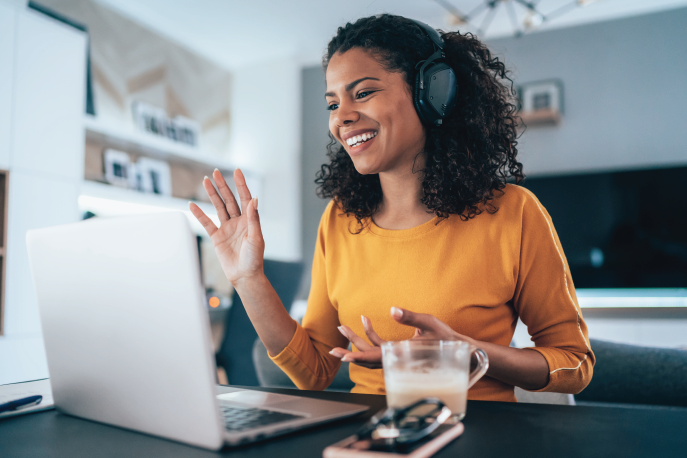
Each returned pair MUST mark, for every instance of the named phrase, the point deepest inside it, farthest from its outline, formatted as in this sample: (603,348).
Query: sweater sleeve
(306,359)
(547,304)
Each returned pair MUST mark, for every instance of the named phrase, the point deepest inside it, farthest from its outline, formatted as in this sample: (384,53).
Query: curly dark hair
(469,157)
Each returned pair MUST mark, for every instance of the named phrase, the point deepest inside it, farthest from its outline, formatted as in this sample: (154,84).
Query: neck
(401,207)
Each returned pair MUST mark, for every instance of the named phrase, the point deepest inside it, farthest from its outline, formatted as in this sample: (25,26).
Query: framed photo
(541,102)
(118,169)
(185,130)
(155,176)
(155,120)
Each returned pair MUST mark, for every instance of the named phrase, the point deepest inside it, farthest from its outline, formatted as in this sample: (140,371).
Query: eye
(362,95)
(333,106)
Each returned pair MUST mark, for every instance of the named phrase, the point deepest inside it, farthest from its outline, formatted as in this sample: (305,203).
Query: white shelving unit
(149,144)
(106,200)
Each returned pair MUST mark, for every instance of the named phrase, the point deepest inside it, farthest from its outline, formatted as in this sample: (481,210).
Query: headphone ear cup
(438,97)
(417,94)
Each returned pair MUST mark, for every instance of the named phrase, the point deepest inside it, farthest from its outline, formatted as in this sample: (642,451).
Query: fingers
(216,200)
(203,219)
(371,334)
(339,352)
(426,326)
(422,321)
(371,359)
(373,356)
(229,200)
(254,229)
(359,342)
(242,188)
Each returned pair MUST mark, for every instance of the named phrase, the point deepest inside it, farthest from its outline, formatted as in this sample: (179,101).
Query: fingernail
(256,202)
(345,359)
(396,312)
(362,318)
(206,177)
(216,169)
(331,352)
(343,331)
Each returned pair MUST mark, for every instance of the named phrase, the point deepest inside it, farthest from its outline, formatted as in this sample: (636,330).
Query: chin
(364,168)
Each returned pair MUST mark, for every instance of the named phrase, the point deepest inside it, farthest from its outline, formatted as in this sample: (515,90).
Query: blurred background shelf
(106,201)
(629,298)
(149,145)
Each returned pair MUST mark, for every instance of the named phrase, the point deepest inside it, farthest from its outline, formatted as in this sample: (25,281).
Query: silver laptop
(127,336)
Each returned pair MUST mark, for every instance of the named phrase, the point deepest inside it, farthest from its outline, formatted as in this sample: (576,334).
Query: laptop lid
(125,327)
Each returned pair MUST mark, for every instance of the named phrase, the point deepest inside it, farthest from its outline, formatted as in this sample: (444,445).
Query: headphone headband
(431,33)
(435,91)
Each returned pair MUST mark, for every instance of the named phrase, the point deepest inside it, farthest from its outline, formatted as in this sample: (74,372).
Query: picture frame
(155,121)
(155,176)
(118,168)
(541,102)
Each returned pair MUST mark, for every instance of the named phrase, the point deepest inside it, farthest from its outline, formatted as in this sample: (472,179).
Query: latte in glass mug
(416,369)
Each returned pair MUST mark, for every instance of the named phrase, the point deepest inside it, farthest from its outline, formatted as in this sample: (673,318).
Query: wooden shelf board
(540,117)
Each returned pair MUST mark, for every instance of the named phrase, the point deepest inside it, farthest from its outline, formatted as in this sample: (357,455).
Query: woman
(423,237)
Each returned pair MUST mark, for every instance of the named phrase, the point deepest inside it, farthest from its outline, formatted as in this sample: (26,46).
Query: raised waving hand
(238,241)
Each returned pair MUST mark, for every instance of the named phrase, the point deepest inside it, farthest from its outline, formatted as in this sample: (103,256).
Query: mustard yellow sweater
(478,276)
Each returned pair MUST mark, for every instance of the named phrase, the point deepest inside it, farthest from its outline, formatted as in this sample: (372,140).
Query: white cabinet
(42,91)
(33,203)
(49,95)
(8,19)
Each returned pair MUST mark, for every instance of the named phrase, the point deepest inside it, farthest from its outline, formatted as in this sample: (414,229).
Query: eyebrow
(350,86)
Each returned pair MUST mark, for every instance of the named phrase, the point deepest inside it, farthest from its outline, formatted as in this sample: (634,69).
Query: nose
(346,114)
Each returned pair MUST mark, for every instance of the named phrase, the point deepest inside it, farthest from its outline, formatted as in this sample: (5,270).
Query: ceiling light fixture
(488,9)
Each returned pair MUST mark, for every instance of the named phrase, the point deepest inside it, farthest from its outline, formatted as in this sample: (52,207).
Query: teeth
(354,141)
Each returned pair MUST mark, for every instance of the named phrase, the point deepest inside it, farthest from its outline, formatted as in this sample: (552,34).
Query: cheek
(332,127)
(408,124)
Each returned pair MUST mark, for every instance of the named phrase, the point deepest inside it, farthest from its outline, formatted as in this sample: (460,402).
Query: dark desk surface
(492,429)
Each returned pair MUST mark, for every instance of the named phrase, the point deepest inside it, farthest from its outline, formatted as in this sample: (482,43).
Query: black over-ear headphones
(435,89)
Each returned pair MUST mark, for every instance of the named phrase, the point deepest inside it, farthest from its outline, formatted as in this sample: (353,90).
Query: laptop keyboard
(243,418)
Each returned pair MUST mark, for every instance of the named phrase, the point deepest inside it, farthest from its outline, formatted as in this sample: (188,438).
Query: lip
(354,151)
(353,133)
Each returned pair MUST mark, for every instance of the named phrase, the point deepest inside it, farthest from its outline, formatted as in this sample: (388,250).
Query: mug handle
(482,365)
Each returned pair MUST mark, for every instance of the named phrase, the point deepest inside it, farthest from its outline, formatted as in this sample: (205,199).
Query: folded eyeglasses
(396,429)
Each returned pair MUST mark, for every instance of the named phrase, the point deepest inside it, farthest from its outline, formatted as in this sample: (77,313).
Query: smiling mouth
(360,139)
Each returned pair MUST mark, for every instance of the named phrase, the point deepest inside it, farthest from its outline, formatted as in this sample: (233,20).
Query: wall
(624,93)
(266,140)
(315,140)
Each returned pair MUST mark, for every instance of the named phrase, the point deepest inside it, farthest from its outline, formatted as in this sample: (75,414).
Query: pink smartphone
(351,447)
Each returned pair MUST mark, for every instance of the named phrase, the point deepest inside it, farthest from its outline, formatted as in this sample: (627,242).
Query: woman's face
(372,113)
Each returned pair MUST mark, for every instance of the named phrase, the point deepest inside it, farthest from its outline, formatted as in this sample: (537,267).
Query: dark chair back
(637,375)
(236,352)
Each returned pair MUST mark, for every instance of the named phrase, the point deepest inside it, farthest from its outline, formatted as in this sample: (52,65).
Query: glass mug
(416,369)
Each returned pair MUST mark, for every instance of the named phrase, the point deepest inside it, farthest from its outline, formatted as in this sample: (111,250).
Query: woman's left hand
(427,327)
